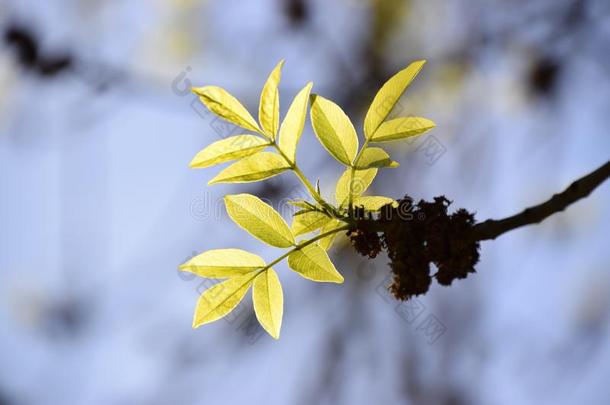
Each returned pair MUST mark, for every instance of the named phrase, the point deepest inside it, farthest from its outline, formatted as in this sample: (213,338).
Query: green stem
(316,196)
(352,170)
(305,243)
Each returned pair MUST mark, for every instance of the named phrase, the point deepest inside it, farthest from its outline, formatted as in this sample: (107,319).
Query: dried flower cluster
(415,236)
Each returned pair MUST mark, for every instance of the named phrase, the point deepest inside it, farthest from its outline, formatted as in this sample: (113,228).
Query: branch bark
(581,188)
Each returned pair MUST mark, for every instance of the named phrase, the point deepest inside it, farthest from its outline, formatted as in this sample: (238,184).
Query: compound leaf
(312,263)
(334,129)
(223,263)
(387,97)
(221,299)
(292,126)
(268,300)
(227,149)
(269,106)
(259,219)
(259,166)
(401,128)
(223,104)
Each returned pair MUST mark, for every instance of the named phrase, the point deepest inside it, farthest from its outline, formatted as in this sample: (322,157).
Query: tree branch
(581,188)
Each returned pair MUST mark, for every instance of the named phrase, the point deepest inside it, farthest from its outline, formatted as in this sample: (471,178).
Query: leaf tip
(196,322)
(193,164)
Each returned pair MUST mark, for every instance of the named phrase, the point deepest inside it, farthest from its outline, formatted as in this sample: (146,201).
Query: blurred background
(98,206)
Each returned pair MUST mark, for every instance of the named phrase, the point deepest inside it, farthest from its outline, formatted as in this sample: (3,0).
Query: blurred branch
(581,188)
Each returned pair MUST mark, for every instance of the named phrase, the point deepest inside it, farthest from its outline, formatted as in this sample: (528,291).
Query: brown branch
(581,188)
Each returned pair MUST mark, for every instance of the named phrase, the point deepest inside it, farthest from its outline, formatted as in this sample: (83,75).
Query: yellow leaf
(269,107)
(223,263)
(227,149)
(268,301)
(223,104)
(221,299)
(373,203)
(360,181)
(327,241)
(334,129)
(259,166)
(308,222)
(375,157)
(292,125)
(401,128)
(259,219)
(388,96)
(312,262)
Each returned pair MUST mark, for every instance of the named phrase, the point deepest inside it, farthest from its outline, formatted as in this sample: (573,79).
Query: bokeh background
(98,206)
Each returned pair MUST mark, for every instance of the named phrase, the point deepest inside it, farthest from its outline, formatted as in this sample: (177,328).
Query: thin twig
(581,188)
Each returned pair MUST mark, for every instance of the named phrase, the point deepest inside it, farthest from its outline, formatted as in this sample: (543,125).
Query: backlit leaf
(312,262)
(375,157)
(269,107)
(221,299)
(259,219)
(308,222)
(401,128)
(293,123)
(334,129)
(227,149)
(222,263)
(360,181)
(388,96)
(327,241)
(268,301)
(223,104)
(372,203)
(259,166)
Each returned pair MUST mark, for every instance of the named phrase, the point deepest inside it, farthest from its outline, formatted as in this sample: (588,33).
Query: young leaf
(259,166)
(292,126)
(375,157)
(268,301)
(312,262)
(308,222)
(372,203)
(388,96)
(401,128)
(327,241)
(303,211)
(223,104)
(259,220)
(302,204)
(221,299)
(223,263)
(269,107)
(334,129)
(227,149)
(360,181)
